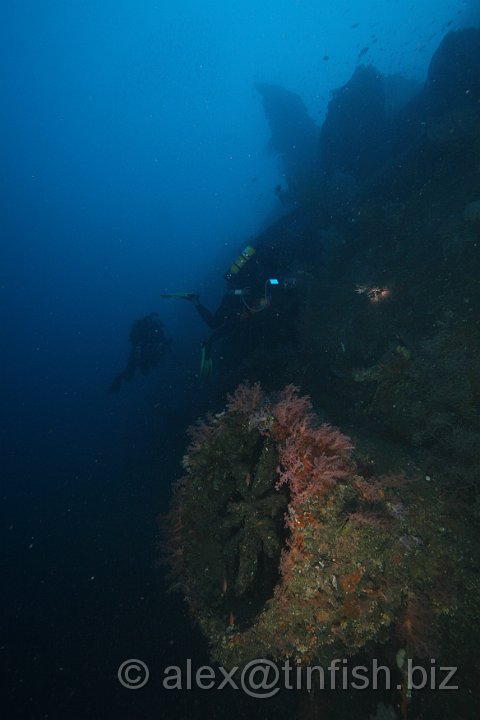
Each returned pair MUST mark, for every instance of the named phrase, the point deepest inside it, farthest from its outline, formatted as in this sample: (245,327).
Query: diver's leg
(206,364)
(117,383)
(129,371)
(204,313)
(127,374)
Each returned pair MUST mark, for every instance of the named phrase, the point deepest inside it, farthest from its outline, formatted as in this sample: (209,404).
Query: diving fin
(206,364)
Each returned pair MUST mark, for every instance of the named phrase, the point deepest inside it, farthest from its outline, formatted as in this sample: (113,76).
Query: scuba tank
(239,262)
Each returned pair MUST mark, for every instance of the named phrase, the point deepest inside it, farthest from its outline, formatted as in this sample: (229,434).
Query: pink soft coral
(246,398)
(310,462)
(312,457)
(291,411)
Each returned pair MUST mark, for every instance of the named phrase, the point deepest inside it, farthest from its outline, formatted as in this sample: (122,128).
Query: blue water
(135,162)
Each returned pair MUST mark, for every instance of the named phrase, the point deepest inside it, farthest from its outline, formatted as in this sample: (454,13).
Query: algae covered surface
(288,545)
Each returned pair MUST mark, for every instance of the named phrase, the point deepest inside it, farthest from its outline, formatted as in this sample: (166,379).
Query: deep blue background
(134,162)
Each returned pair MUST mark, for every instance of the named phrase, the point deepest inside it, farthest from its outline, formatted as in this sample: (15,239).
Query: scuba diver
(251,290)
(148,346)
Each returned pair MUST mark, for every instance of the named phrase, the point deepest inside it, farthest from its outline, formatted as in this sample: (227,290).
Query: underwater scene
(240,428)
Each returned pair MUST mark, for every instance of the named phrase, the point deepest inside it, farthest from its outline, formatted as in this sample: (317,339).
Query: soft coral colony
(285,546)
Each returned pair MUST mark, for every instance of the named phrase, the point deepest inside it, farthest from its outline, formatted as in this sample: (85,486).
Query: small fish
(326,57)
(355,25)
(231,619)
(224,586)
(363,51)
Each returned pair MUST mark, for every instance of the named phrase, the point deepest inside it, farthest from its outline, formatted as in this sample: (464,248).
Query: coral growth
(312,457)
(283,548)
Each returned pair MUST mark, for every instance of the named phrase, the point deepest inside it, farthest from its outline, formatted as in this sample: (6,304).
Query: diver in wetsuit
(148,346)
(251,289)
